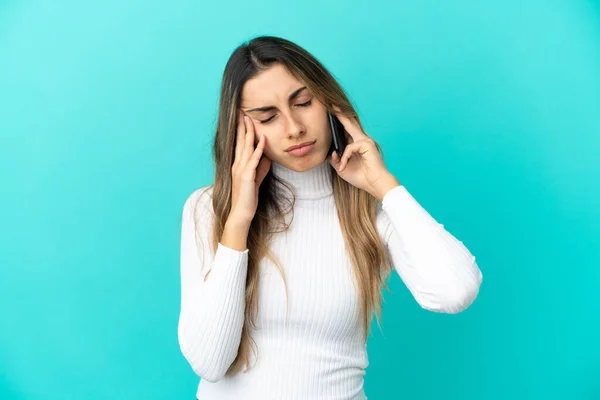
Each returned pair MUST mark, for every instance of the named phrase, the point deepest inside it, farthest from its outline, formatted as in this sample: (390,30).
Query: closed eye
(308,103)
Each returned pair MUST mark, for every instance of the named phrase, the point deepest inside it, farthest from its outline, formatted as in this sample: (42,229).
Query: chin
(306,163)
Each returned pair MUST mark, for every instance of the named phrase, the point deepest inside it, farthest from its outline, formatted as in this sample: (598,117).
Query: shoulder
(198,202)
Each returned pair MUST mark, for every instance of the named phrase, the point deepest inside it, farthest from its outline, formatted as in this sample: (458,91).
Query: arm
(212,307)
(438,269)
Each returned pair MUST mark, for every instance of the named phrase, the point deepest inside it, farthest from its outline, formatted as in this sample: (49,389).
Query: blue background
(488,112)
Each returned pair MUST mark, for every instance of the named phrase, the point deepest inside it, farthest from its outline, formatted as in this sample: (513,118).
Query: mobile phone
(338,135)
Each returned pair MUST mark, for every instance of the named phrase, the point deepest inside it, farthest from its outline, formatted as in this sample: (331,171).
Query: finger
(350,149)
(350,124)
(335,159)
(258,152)
(248,140)
(241,134)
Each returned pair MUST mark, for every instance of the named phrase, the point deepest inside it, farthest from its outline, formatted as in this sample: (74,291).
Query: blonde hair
(357,210)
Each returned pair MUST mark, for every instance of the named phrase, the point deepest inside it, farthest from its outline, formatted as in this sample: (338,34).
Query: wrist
(238,223)
(384,185)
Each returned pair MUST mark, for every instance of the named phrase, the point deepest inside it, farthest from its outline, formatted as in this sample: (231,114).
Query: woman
(285,313)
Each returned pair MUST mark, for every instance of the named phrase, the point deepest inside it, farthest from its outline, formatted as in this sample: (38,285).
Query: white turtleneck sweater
(320,352)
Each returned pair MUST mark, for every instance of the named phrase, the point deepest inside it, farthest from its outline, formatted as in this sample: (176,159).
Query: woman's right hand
(249,169)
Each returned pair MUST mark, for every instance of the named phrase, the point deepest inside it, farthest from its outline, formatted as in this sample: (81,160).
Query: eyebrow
(269,108)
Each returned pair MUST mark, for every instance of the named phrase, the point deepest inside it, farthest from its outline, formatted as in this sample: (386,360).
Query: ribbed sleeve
(212,311)
(437,268)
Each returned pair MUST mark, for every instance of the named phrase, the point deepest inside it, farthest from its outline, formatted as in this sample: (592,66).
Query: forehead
(272,85)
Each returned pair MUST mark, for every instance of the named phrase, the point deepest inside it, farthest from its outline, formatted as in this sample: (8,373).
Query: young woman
(284,313)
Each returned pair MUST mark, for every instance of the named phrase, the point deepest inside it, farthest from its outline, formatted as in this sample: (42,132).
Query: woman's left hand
(361,164)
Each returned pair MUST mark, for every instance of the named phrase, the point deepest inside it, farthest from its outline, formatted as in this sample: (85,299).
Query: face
(286,116)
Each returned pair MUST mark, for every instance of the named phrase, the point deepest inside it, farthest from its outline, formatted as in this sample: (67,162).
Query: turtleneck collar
(312,184)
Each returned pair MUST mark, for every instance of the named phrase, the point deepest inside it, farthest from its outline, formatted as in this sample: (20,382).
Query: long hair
(357,210)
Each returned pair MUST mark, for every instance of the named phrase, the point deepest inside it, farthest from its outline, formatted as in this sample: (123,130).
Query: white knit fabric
(319,351)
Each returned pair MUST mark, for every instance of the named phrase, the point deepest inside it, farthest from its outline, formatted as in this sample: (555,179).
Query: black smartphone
(338,135)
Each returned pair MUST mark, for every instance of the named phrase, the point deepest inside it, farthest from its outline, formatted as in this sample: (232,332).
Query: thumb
(334,160)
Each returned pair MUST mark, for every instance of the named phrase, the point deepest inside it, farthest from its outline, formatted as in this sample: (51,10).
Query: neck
(312,184)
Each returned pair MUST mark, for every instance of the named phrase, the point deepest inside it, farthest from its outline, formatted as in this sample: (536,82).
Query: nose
(294,127)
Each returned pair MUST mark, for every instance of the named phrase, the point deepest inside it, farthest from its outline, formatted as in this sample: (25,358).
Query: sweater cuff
(406,211)
(230,265)
(393,194)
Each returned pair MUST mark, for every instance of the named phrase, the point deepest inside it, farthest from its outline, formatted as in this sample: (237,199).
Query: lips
(300,145)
